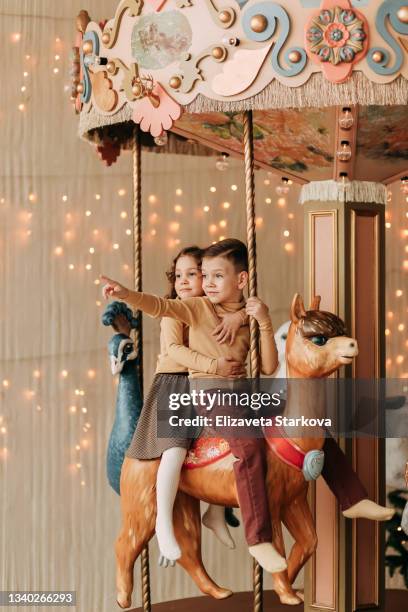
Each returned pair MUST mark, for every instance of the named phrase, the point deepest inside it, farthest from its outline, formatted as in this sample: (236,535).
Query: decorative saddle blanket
(205,451)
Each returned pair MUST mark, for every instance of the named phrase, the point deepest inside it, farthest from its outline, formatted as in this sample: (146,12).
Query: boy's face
(221,282)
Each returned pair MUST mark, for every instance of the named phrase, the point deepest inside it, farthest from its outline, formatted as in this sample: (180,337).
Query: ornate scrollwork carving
(189,72)
(379,58)
(274,15)
(110,34)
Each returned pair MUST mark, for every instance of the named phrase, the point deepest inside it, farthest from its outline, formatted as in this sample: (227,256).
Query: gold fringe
(317,92)
(353,191)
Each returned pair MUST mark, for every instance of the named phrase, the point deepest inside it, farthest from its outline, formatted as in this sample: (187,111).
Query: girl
(171,376)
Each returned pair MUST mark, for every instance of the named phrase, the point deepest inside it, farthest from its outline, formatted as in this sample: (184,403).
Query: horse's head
(121,350)
(317,343)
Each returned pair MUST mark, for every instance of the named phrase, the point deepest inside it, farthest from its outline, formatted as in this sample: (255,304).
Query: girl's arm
(268,350)
(192,360)
(173,336)
(186,310)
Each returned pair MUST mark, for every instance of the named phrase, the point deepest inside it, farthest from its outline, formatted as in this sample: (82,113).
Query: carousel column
(137,268)
(344,263)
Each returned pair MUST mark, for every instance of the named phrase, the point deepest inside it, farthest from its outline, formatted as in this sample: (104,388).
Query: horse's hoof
(301,595)
(123,600)
(221,593)
(290,600)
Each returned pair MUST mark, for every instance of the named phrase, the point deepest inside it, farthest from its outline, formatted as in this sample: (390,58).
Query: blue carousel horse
(124,362)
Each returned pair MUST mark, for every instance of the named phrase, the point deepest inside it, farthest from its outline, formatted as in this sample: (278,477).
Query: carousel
(315,92)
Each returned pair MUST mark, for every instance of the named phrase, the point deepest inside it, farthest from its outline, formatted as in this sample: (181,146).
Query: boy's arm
(187,311)
(173,336)
(267,345)
(268,350)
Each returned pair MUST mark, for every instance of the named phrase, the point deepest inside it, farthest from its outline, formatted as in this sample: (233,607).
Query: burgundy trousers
(250,473)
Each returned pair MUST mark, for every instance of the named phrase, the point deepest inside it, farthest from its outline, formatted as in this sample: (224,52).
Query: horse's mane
(321,323)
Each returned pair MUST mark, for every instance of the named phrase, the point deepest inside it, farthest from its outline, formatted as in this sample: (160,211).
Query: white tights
(168,477)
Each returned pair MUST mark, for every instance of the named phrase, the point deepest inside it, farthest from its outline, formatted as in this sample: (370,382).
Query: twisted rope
(253,325)
(137,271)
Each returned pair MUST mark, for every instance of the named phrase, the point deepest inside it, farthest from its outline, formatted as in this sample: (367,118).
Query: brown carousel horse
(316,347)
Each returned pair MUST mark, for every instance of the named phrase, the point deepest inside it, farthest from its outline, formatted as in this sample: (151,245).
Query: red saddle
(205,451)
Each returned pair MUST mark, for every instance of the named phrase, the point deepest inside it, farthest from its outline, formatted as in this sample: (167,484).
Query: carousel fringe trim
(317,92)
(91,120)
(354,191)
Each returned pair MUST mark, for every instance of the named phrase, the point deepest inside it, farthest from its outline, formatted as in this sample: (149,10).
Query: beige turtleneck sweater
(202,316)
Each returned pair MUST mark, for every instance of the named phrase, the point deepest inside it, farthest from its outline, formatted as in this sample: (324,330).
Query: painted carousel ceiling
(301,143)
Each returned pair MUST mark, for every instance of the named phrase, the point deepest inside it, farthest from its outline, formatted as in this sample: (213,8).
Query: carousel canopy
(327,81)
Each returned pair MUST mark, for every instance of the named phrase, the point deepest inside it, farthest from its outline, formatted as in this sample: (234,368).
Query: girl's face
(188,280)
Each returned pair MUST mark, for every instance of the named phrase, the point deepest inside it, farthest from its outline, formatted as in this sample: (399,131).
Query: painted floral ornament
(336,37)
(156,112)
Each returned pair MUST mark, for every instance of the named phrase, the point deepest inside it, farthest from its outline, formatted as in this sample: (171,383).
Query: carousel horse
(124,362)
(316,346)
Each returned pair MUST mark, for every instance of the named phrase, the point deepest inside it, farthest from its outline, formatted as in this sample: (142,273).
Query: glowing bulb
(56,70)
(71,266)
(88,267)
(405,264)
(259,221)
(152,199)
(291,216)
(268,201)
(72,409)
(64,373)
(97,196)
(399,359)
(153,218)
(267,182)
(92,250)
(32,197)
(153,232)
(98,303)
(64,198)
(281,202)
(123,214)
(174,226)
(77,447)
(387,332)
(37,374)
(179,192)
(84,410)
(58,250)
(38,407)
(213,228)
(286,233)
(398,292)
(82,483)
(23,88)
(213,189)
(388,225)
(3,430)
(91,374)
(234,187)
(78,465)
(97,281)
(122,192)
(128,232)
(57,57)
(95,232)
(289,247)
(206,208)
(178,208)
(401,327)
(226,205)
(16,37)
(223,223)
(25,74)
(88,213)
(6,383)
(115,246)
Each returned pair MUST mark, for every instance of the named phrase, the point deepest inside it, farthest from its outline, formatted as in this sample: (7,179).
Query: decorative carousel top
(158,57)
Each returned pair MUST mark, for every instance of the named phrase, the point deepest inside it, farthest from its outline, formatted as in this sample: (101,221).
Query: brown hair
(231,249)
(192,251)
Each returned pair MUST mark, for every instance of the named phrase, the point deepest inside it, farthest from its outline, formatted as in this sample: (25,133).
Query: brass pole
(253,325)
(137,269)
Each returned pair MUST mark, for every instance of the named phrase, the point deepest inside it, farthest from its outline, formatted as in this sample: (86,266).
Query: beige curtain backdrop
(59,517)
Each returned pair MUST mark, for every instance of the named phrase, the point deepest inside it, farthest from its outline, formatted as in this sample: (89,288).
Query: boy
(225,275)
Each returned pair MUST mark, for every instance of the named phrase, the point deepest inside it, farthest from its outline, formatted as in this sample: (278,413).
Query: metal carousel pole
(137,268)
(253,325)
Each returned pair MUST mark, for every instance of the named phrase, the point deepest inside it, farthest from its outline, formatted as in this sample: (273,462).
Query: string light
(58,251)
(268,201)
(223,223)
(206,209)
(178,208)
(234,187)
(122,192)
(15,37)
(97,196)
(92,250)
(115,246)
(6,383)
(226,205)
(64,373)
(128,232)
(213,189)
(152,199)
(123,214)
(179,191)
(88,213)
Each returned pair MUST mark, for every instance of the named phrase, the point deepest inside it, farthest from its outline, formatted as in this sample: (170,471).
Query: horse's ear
(315,305)
(297,310)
